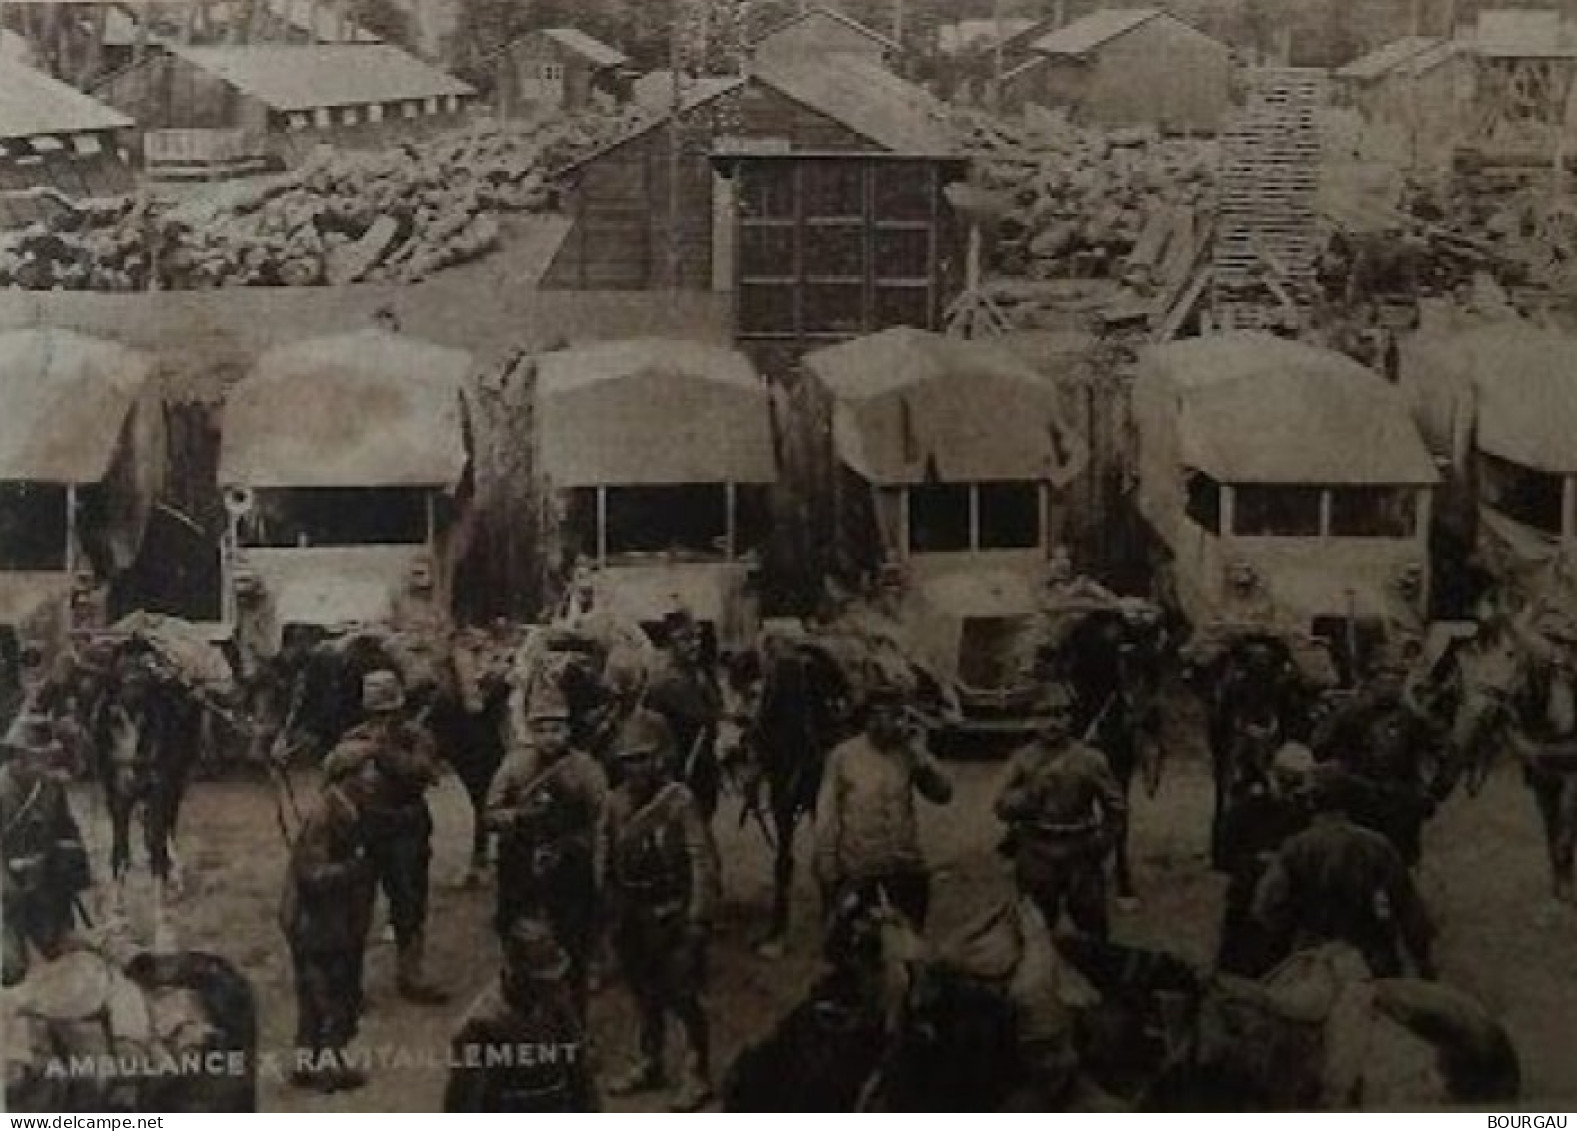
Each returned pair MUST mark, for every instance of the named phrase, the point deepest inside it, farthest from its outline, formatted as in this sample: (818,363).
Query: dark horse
(217,1032)
(1113,661)
(793,705)
(1255,701)
(312,697)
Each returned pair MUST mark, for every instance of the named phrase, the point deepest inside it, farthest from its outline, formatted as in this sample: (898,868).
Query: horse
(791,703)
(1317,1033)
(1112,659)
(171,1031)
(1255,701)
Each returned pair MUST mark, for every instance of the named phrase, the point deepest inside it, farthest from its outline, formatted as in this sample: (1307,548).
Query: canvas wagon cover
(912,406)
(1523,381)
(64,402)
(1255,408)
(370,409)
(653,411)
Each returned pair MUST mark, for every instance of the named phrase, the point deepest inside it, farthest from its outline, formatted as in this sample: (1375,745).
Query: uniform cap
(531,948)
(32,734)
(382,691)
(644,735)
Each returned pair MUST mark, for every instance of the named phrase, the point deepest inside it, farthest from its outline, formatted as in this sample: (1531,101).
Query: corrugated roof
(586,46)
(653,410)
(1524,379)
(32,103)
(306,76)
(967,35)
(1520,33)
(818,10)
(1386,58)
(1085,35)
(364,409)
(861,94)
(1254,408)
(64,399)
(910,404)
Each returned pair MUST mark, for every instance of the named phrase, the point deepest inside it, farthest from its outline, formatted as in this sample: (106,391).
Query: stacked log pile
(1076,202)
(395,215)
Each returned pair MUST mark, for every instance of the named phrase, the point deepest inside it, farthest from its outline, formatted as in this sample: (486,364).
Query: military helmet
(644,735)
(31,734)
(531,948)
(547,703)
(382,691)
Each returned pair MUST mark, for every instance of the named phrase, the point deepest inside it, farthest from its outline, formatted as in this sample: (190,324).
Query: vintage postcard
(876,555)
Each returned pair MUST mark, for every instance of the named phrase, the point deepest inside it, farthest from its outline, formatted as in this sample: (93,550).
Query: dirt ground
(1484,877)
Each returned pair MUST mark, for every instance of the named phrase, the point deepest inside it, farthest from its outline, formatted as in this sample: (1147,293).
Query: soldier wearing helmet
(660,870)
(45,864)
(396,820)
(867,836)
(1258,821)
(522,1047)
(1064,811)
(545,804)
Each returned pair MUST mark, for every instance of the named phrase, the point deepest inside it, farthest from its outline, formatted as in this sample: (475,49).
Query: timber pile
(1079,202)
(396,215)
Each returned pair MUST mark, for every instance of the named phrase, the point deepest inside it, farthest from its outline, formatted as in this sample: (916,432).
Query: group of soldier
(619,853)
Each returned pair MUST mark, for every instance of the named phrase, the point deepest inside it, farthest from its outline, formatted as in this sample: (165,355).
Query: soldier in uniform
(397,822)
(660,869)
(1259,819)
(1064,811)
(685,692)
(867,837)
(1339,882)
(46,865)
(330,884)
(545,804)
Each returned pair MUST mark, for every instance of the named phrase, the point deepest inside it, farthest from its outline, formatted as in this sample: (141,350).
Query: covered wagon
(82,461)
(656,462)
(1288,490)
(950,458)
(346,474)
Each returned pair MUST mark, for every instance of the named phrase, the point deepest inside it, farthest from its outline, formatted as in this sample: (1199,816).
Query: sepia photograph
(772,556)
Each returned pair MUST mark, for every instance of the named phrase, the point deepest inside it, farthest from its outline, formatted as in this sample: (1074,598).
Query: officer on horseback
(685,692)
(867,835)
(1064,811)
(522,1047)
(397,821)
(660,868)
(1337,881)
(545,804)
(46,865)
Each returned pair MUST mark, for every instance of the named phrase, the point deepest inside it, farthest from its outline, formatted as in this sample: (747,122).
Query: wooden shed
(816,160)
(1361,83)
(53,136)
(291,96)
(560,69)
(1129,67)
(819,32)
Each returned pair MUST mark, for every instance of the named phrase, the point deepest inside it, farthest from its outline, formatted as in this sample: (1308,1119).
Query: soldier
(522,1045)
(867,837)
(46,865)
(660,867)
(1064,811)
(1339,882)
(685,692)
(1258,821)
(398,824)
(326,911)
(545,804)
